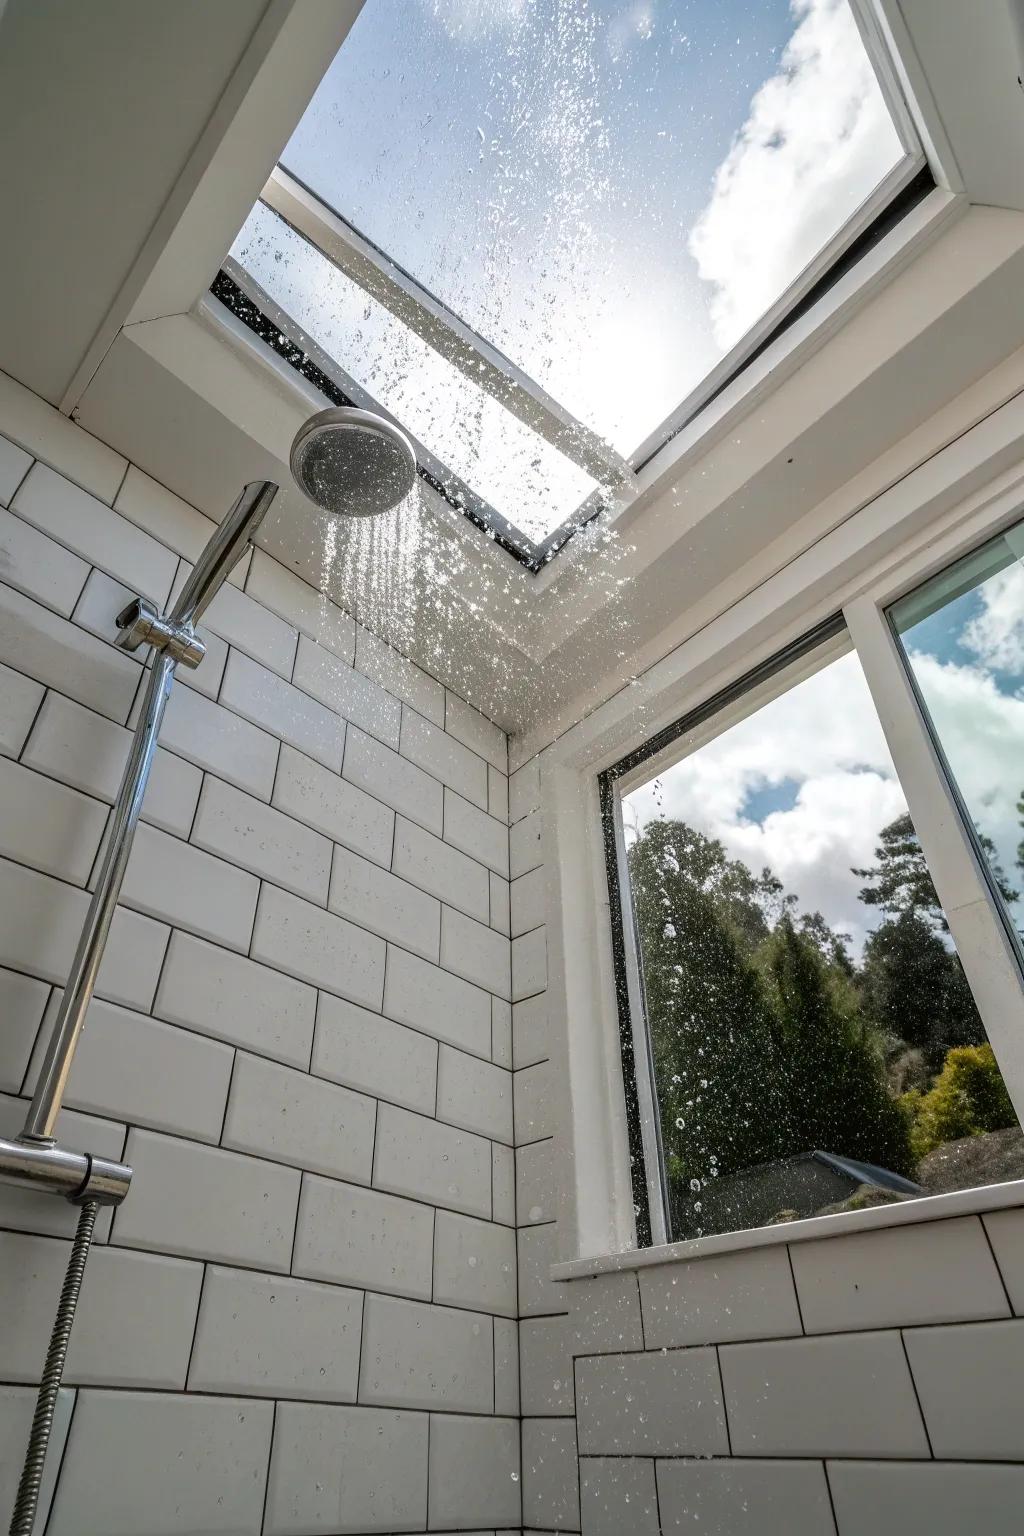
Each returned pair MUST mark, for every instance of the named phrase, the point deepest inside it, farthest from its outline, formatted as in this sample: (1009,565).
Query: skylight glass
(611,193)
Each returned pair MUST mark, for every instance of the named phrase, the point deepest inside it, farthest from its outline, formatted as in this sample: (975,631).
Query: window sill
(965,1202)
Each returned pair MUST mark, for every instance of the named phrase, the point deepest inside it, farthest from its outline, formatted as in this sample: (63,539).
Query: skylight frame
(368,267)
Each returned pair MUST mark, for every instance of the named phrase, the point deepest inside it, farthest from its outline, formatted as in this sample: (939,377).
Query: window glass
(610,193)
(815,1045)
(963,637)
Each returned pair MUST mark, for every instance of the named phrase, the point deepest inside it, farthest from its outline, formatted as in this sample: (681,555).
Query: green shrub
(967,1098)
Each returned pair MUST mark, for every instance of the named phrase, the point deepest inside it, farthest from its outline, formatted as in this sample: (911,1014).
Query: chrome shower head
(352,463)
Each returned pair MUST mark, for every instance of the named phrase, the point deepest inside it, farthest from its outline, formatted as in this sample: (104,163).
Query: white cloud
(996,635)
(823,737)
(817,140)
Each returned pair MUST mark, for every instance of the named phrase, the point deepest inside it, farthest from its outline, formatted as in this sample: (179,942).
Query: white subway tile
(746,1498)
(168,878)
(651,1405)
(497,794)
(437,1002)
(746,1295)
(551,1474)
(475,731)
(153,1464)
(342,688)
(417,1356)
(46,434)
(476,833)
(266,700)
(527,902)
(474,1472)
(323,800)
(133,1067)
(501,1032)
(294,600)
(38,567)
(418,1157)
(15,464)
(474,952)
(317,947)
(270,1336)
(60,655)
(529,964)
(219,740)
(242,622)
(150,506)
(35,1211)
(539,1295)
(1006,1234)
(17,1406)
(474,1094)
(22,1005)
(534,1089)
(617,1494)
(338,1467)
(968,1382)
(276,1112)
(524,790)
(536,1184)
(506,1366)
(503,1184)
(604,1315)
(89,752)
(399,676)
(19,700)
(370,1053)
(380,901)
(133,1324)
(545,1365)
(935,1272)
(391,778)
(474,1264)
(101,536)
(40,923)
(524,845)
(444,871)
(265,841)
(97,609)
(224,995)
(444,758)
(206,1203)
(848,1395)
(48,826)
(361,1237)
(500,915)
(889,1498)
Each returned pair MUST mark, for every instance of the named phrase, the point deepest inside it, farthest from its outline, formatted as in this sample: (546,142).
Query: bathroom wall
(303,1317)
(861,1385)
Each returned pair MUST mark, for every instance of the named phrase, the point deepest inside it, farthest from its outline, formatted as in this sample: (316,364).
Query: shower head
(353,463)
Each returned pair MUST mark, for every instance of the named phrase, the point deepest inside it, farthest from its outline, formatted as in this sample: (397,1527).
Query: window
(542,235)
(787,971)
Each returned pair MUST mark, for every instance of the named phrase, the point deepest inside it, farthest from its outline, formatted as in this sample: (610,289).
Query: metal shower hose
(24,1516)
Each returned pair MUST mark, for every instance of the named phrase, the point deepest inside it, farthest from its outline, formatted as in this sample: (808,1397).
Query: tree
(837,1099)
(967,1098)
(914,988)
(901,883)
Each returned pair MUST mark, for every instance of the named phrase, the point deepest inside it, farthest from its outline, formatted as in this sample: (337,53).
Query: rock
(994,1157)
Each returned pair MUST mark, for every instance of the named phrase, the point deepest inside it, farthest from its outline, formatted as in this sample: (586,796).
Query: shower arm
(34,1159)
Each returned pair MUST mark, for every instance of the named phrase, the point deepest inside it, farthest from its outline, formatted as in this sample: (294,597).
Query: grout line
(295,1221)
(917,1395)
(995,1260)
(227,1097)
(725,1403)
(270,1458)
(63,1456)
(831,1496)
(195,1325)
(796,1289)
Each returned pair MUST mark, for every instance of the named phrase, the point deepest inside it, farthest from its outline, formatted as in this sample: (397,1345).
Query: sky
(610,192)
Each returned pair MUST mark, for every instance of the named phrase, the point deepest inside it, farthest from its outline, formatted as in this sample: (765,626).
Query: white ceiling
(175,128)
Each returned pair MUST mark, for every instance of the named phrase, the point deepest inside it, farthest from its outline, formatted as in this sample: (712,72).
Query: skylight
(613,202)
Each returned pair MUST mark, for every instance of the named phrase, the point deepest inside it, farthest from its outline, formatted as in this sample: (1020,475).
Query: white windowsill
(993,1197)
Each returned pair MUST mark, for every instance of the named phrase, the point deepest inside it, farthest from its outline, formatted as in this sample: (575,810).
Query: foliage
(900,883)
(914,988)
(968,1098)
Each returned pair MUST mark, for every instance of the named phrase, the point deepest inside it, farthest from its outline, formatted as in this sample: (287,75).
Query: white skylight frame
(621,480)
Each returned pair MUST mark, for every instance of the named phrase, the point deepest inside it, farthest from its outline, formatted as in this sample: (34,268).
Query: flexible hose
(24,1516)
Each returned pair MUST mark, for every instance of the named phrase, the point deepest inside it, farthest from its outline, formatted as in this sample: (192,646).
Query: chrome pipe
(78,1176)
(170,637)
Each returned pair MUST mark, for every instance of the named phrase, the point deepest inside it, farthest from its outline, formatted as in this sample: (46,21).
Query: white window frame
(942,510)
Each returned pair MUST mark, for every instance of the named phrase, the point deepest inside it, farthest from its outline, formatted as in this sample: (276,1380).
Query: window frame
(952,502)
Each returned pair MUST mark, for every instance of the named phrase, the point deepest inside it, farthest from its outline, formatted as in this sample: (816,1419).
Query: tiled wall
(862,1385)
(304,1316)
